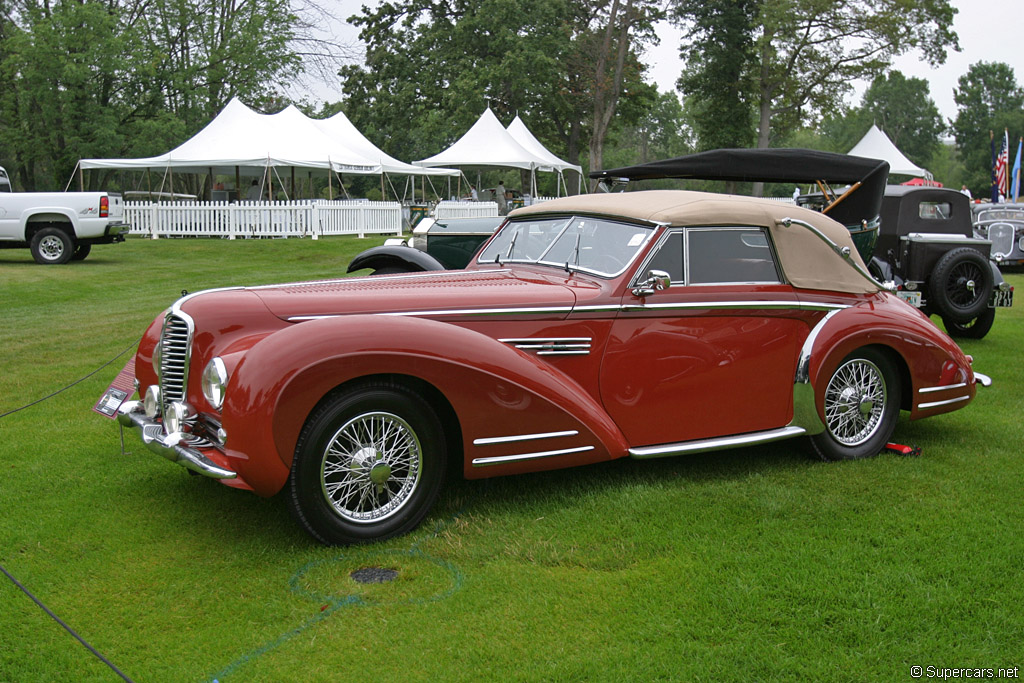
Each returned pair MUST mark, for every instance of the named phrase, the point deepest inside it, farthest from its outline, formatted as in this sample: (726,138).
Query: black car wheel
(960,285)
(368,465)
(972,329)
(52,246)
(862,405)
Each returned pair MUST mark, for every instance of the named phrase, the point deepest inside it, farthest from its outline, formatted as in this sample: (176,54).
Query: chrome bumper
(983,380)
(171,446)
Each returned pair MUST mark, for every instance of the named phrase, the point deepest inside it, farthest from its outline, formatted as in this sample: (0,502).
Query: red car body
(529,366)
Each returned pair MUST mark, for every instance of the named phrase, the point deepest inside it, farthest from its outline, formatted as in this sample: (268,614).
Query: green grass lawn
(752,564)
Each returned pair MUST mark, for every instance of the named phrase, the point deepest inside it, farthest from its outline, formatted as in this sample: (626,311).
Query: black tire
(972,329)
(81,252)
(52,247)
(862,405)
(368,465)
(960,285)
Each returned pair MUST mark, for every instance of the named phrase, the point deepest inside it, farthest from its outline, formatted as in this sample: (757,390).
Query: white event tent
(521,134)
(488,144)
(244,142)
(876,145)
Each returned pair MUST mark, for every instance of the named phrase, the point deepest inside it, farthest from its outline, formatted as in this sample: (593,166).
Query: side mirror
(656,281)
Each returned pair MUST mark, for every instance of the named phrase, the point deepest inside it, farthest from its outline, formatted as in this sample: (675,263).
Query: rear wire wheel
(368,465)
(861,405)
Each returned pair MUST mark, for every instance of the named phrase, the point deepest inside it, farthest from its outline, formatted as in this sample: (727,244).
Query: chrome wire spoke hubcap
(855,401)
(371,467)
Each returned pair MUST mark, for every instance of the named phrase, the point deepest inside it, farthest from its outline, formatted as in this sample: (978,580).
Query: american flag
(1003,165)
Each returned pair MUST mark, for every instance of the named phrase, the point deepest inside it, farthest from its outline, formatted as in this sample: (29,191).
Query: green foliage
(903,109)
(717,80)
(129,78)
(750,564)
(988,99)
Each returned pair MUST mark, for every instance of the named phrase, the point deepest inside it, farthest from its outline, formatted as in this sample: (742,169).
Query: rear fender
(508,404)
(928,356)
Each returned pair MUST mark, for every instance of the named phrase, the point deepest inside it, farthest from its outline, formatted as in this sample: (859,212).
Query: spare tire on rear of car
(960,285)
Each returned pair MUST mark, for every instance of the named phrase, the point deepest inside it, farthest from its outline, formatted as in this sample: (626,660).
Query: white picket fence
(263,219)
(468,209)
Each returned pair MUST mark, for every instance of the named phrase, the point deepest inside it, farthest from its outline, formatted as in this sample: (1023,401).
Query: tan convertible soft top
(807,261)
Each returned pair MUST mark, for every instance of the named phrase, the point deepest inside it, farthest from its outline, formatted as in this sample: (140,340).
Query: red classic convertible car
(588,328)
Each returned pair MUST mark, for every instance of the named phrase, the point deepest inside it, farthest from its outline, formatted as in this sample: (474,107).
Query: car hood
(447,292)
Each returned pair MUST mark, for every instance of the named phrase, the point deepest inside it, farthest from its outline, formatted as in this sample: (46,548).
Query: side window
(730,255)
(934,211)
(669,257)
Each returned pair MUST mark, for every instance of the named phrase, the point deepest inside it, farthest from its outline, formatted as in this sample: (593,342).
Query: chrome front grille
(1001,235)
(175,351)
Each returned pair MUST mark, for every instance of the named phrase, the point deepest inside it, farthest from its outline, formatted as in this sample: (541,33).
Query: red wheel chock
(899,449)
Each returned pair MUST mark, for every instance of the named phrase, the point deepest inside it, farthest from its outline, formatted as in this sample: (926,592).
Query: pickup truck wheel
(52,246)
(368,465)
(960,285)
(862,405)
(81,251)
(973,329)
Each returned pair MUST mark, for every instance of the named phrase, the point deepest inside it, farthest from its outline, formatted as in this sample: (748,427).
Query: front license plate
(119,390)
(912,298)
(1003,299)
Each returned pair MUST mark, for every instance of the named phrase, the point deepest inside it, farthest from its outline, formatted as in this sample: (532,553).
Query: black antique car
(919,239)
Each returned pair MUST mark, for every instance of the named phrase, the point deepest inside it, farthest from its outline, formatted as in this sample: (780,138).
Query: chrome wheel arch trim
(805,412)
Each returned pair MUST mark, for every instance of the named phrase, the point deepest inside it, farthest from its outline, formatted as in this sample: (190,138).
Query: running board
(716,444)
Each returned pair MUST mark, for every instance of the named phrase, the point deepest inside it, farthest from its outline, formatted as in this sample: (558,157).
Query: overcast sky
(987,30)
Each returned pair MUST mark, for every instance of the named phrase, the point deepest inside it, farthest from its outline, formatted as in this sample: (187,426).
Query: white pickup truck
(59,226)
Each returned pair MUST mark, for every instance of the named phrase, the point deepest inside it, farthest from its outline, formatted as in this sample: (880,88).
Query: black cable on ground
(17,583)
(67,628)
(77,381)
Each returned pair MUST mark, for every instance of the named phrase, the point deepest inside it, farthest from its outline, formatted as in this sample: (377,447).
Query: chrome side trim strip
(717,443)
(757,305)
(928,390)
(503,459)
(629,308)
(522,437)
(936,404)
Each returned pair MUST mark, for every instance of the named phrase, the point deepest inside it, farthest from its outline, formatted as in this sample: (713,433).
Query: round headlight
(174,418)
(151,402)
(156,357)
(215,381)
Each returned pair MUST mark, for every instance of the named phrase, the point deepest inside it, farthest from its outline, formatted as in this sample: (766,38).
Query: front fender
(395,258)
(497,392)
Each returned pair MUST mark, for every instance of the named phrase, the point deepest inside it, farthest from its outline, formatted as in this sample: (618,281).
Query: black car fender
(394,259)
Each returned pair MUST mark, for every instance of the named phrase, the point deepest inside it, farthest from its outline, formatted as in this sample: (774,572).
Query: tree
(903,108)
(717,78)
(95,78)
(432,66)
(805,53)
(988,98)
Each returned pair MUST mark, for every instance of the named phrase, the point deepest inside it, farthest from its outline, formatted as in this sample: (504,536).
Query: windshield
(595,245)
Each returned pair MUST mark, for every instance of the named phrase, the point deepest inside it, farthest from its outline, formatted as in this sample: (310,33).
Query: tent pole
(238,184)
(210,196)
(293,182)
(383,197)
(170,170)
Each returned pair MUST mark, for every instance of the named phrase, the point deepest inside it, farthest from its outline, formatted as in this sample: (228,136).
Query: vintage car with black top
(918,238)
(1003,225)
(589,328)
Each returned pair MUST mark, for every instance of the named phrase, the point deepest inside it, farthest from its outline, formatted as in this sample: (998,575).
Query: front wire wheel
(368,465)
(861,405)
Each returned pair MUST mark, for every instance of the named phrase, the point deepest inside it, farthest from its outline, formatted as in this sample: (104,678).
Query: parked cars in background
(928,247)
(59,226)
(588,328)
(1003,225)
(918,238)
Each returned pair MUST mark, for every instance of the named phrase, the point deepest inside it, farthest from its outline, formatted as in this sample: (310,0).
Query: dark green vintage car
(436,244)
